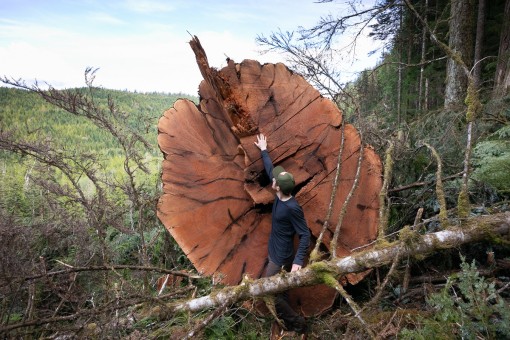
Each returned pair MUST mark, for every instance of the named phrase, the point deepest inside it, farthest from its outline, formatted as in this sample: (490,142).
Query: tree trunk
(472,98)
(480,25)
(502,76)
(473,229)
(461,42)
(422,60)
(426,96)
(399,80)
(216,198)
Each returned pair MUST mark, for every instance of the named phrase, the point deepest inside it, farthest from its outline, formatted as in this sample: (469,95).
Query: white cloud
(163,64)
(161,61)
(28,61)
(166,62)
(105,18)
(151,56)
(148,6)
(14,30)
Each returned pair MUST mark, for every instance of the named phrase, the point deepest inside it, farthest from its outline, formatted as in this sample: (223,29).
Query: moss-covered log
(470,230)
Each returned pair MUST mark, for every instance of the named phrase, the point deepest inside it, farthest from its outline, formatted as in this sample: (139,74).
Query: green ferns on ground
(492,160)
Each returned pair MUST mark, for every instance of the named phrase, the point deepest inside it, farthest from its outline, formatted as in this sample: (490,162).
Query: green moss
(463,207)
(412,239)
(409,237)
(443,217)
(325,273)
(360,261)
(420,257)
(473,103)
(382,243)
(320,267)
(90,331)
(328,279)
(315,255)
(243,286)
(491,236)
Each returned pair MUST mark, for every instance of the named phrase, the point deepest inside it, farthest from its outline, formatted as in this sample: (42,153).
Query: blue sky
(142,45)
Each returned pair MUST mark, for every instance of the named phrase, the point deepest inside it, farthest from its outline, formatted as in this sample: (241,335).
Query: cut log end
(217,199)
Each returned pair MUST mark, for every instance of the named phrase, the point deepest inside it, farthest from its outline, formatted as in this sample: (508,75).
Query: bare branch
(422,183)
(108,268)
(314,256)
(329,27)
(202,324)
(443,217)
(334,240)
(381,287)
(384,206)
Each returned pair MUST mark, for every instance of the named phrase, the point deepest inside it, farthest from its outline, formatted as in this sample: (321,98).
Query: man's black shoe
(299,325)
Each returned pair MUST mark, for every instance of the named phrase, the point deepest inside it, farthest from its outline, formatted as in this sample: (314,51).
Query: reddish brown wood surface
(217,200)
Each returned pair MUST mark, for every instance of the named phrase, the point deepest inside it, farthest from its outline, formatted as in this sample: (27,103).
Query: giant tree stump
(217,199)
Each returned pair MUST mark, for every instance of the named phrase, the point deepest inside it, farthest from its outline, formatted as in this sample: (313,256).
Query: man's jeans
(292,320)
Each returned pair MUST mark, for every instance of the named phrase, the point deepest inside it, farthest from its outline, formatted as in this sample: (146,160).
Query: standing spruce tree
(461,42)
(502,74)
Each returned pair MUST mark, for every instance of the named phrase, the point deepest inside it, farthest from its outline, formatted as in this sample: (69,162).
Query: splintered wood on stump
(217,199)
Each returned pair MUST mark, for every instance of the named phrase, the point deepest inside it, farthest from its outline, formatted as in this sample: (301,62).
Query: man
(287,220)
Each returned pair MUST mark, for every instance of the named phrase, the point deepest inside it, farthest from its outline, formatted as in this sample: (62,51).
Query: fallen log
(216,198)
(470,230)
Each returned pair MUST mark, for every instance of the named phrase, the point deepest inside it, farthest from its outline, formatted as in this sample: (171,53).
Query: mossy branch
(381,287)
(384,206)
(334,240)
(315,255)
(113,267)
(330,280)
(422,183)
(443,215)
(463,199)
(472,229)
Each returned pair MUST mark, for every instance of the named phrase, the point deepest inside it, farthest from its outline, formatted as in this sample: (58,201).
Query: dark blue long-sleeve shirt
(288,219)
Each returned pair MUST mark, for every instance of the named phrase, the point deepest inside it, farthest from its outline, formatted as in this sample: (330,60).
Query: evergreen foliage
(401,102)
(417,113)
(79,188)
(27,115)
(491,158)
(468,307)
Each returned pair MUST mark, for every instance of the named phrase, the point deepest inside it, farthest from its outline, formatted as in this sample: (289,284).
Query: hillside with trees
(84,254)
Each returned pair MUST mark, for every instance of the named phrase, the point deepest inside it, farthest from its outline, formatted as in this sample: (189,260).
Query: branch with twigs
(72,269)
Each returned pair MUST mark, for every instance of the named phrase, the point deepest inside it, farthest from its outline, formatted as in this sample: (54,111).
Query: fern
(491,160)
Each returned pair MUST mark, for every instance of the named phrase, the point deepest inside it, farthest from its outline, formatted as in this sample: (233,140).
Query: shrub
(468,307)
